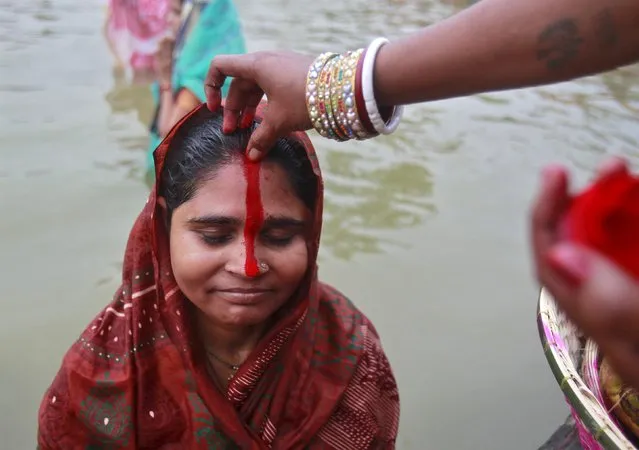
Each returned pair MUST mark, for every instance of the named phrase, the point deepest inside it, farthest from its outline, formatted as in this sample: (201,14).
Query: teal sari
(209,28)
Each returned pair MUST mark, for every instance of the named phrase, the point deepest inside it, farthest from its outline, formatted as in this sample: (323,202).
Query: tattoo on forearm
(559,44)
(605,29)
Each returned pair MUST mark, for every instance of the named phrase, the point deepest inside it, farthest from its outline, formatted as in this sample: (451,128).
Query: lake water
(425,230)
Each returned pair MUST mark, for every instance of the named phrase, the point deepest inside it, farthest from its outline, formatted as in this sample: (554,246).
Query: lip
(245,291)
(244,296)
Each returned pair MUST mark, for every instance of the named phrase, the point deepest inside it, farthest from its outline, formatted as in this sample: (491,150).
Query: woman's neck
(231,344)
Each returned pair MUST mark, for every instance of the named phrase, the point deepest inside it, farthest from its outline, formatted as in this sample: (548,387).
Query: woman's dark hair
(199,149)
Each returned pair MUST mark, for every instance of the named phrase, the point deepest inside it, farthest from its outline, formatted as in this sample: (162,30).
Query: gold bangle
(336,97)
(331,97)
(314,101)
(349,117)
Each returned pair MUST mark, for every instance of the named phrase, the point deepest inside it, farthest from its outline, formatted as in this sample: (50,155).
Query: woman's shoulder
(336,304)
(369,406)
(100,352)
(342,314)
(128,324)
(125,342)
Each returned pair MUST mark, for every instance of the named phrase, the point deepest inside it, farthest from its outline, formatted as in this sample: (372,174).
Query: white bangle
(368,92)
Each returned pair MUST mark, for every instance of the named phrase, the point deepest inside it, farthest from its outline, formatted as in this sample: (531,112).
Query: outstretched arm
(493,45)
(502,44)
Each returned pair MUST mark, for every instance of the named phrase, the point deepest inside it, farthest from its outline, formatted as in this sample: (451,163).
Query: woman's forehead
(224,194)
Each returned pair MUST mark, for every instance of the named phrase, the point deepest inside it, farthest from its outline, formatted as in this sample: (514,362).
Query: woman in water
(201,29)
(133,29)
(221,335)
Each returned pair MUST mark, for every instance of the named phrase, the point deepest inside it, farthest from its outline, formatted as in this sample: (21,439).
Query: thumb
(610,298)
(610,295)
(263,139)
(606,303)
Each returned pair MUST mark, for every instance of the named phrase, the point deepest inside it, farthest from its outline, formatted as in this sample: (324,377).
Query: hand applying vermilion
(281,77)
(585,252)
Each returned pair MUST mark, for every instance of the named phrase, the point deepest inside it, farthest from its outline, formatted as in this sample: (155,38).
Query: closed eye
(278,240)
(281,231)
(216,239)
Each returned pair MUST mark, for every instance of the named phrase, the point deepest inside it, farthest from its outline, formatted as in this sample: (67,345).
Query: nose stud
(263,267)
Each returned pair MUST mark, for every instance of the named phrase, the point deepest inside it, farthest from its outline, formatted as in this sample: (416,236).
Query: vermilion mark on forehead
(254,215)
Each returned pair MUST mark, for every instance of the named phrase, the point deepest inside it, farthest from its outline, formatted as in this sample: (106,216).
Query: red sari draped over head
(319,378)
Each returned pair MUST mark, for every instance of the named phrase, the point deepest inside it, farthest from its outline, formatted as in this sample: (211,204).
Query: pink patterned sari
(133,30)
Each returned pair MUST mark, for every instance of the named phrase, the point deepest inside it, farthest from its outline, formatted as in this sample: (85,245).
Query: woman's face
(208,251)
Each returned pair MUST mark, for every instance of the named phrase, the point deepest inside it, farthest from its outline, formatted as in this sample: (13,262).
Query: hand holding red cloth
(586,255)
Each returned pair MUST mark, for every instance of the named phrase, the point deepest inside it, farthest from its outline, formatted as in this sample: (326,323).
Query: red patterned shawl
(134,380)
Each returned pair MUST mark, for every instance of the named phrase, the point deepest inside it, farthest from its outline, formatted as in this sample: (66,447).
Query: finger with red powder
(221,67)
(547,211)
(611,166)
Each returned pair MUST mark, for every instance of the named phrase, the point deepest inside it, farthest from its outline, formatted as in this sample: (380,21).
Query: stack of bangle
(340,97)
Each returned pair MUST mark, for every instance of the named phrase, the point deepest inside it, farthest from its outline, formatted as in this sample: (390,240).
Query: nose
(236,260)
(242,264)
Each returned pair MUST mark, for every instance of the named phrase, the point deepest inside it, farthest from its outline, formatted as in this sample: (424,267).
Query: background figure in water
(133,30)
(200,30)
(169,44)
